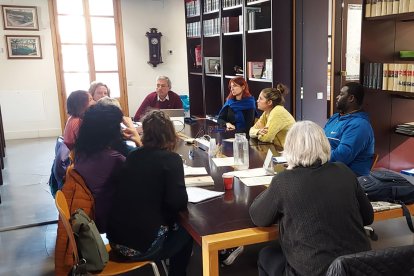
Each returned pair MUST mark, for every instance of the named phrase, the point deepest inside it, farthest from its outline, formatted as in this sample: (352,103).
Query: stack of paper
(196,195)
(258,180)
(406,128)
(188,170)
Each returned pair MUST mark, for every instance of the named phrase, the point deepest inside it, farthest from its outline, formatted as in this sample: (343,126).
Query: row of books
(193,29)
(257,18)
(211,5)
(212,26)
(192,7)
(406,128)
(389,76)
(386,7)
(260,69)
(232,3)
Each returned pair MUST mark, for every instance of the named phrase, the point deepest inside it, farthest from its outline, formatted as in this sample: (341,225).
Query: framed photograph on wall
(20,18)
(23,46)
(212,65)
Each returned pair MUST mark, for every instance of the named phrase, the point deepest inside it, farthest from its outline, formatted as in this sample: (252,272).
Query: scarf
(238,107)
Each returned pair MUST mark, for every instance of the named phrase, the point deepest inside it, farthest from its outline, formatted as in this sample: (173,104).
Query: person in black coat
(319,207)
(151,193)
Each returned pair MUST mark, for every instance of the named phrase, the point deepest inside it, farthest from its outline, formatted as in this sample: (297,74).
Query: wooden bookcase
(270,38)
(383,37)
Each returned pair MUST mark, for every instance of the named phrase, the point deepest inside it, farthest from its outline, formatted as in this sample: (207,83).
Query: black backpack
(385,185)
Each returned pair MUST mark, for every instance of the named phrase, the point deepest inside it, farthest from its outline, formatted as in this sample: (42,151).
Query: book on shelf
(374,4)
(411,6)
(251,17)
(268,70)
(389,6)
(368,8)
(384,7)
(395,6)
(255,69)
(404,5)
(405,128)
(197,54)
(389,76)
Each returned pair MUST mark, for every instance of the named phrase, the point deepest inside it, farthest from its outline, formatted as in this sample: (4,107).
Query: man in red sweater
(161,98)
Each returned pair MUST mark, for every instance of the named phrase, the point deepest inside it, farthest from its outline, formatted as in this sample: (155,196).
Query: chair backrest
(388,261)
(63,209)
(374,160)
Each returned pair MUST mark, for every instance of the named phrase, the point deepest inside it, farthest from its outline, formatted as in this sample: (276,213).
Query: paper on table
(192,181)
(223,162)
(249,173)
(230,140)
(194,170)
(196,195)
(256,181)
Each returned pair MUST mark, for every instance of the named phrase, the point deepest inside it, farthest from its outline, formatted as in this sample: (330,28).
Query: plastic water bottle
(241,152)
(212,150)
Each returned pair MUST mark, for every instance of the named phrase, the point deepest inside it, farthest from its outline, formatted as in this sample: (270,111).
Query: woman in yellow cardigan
(275,121)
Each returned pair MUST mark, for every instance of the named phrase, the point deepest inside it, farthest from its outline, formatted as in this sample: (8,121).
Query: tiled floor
(26,200)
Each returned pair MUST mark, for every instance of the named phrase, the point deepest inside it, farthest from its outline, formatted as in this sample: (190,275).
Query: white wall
(28,94)
(28,91)
(168,17)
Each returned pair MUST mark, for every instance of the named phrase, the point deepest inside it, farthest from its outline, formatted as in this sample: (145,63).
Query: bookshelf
(383,37)
(237,33)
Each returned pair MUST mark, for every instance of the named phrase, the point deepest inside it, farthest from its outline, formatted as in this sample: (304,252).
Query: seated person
(162,98)
(275,121)
(319,207)
(98,158)
(150,194)
(239,110)
(99,90)
(76,105)
(349,131)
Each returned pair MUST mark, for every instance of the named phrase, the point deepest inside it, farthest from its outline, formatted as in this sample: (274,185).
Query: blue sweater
(352,141)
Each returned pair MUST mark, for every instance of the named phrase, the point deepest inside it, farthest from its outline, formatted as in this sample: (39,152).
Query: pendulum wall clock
(154,43)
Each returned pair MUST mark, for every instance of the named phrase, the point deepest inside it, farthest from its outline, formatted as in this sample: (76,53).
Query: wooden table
(224,222)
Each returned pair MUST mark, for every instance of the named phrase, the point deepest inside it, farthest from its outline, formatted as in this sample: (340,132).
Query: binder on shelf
(368,8)
(384,7)
(389,6)
(395,6)
(411,6)
(378,8)
(391,76)
(374,4)
(385,76)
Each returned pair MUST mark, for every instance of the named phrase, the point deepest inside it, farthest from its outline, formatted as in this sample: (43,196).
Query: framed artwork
(23,46)
(212,65)
(20,18)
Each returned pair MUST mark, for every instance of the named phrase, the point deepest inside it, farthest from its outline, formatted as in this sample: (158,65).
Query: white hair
(305,145)
(166,79)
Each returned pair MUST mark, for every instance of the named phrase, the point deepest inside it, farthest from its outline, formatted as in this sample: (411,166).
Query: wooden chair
(112,267)
(374,160)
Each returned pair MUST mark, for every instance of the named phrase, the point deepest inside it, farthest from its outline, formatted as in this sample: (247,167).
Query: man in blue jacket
(349,132)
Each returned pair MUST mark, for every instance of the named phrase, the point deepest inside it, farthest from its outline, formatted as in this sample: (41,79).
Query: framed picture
(212,65)
(23,46)
(20,18)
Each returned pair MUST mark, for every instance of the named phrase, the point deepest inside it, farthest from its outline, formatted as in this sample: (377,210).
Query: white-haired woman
(319,207)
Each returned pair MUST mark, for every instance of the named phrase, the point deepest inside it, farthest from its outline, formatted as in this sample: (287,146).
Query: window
(88,46)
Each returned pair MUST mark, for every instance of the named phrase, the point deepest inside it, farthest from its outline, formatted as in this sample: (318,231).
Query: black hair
(100,129)
(356,89)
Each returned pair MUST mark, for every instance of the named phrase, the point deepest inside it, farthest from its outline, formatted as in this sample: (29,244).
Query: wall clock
(154,44)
